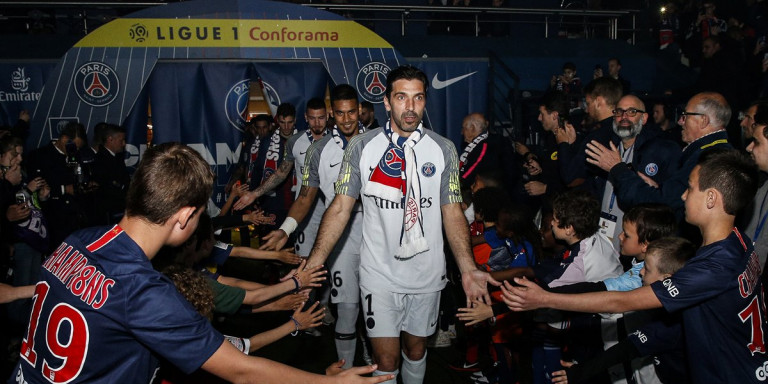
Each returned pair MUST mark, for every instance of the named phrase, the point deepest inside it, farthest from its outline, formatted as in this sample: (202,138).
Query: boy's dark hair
(569,65)
(343,92)
(315,103)
(607,87)
(7,144)
(731,173)
(518,221)
(672,253)
(556,101)
(488,202)
(169,177)
(262,117)
(578,209)
(286,109)
(652,220)
(194,287)
(616,59)
(406,72)
(491,177)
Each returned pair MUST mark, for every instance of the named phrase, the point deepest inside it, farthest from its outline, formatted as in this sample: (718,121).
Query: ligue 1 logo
(138,33)
(371,81)
(236,103)
(96,84)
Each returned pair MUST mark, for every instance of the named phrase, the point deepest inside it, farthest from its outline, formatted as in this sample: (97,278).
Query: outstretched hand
(475,314)
(475,284)
(524,298)
(311,276)
(353,375)
(245,201)
(311,317)
(274,240)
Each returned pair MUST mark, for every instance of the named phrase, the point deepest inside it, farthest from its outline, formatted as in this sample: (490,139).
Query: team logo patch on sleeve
(96,84)
(428,169)
(371,81)
(651,169)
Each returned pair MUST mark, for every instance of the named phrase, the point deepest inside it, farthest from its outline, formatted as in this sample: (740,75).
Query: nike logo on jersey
(333,165)
(433,323)
(438,84)
(302,153)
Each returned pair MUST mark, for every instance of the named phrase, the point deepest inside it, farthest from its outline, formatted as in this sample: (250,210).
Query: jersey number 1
(72,351)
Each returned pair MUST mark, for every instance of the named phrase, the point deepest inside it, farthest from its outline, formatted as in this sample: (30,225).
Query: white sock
(413,371)
(346,337)
(382,373)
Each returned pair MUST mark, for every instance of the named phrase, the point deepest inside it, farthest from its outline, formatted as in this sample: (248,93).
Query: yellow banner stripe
(227,33)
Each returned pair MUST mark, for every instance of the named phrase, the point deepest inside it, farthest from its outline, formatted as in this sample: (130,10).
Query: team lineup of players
(391,197)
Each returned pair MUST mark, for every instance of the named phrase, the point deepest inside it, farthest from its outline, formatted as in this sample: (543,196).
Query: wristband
(297,324)
(289,225)
(296,282)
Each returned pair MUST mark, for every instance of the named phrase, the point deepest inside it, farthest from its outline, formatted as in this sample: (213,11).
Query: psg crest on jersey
(428,169)
(372,81)
(96,84)
(236,103)
(651,169)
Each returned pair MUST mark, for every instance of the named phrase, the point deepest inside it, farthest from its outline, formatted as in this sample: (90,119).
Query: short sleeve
(166,323)
(310,176)
(696,282)
(349,182)
(450,186)
(288,155)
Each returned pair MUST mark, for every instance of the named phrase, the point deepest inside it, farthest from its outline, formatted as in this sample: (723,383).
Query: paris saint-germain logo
(651,169)
(372,81)
(428,169)
(96,84)
(392,162)
(236,103)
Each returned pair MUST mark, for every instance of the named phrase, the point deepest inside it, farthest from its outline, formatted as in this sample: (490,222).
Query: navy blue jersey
(102,314)
(720,295)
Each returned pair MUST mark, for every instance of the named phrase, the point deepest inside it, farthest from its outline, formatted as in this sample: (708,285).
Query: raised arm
(530,296)
(269,184)
(334,221)
(234,366)
(276,239)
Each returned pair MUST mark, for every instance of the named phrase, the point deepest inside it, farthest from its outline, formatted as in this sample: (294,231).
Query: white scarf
(393,182)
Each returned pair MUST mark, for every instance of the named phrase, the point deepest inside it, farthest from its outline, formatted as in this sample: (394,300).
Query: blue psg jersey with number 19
(720,295)
(101,314)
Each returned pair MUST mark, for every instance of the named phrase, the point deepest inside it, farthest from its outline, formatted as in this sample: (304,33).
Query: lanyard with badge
(608,220)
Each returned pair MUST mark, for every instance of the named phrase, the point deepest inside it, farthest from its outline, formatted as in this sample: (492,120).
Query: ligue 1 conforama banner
(104,76)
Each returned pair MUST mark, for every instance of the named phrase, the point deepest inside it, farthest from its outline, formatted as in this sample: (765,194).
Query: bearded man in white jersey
(407,179)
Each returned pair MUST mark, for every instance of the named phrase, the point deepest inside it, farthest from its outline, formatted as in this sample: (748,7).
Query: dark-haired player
(407,178)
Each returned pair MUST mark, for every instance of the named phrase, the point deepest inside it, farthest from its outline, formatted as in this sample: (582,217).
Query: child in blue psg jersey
(663,258)
(102,314)
(718,293)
